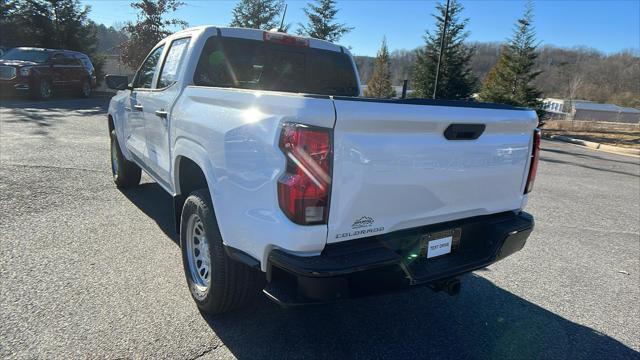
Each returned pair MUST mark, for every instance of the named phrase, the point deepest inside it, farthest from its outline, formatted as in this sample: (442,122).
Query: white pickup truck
(285,179)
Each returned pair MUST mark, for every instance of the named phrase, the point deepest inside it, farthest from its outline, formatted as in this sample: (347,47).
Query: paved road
(87,270)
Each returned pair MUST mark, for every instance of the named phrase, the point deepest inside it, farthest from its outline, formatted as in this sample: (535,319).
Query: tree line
(569,73)
(506,73)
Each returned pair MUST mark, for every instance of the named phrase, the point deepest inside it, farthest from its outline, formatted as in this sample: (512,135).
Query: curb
(594,145)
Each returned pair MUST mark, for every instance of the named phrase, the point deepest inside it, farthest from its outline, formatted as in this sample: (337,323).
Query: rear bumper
(389,262)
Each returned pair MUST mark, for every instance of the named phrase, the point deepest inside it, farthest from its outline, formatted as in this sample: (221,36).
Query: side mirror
(117,82)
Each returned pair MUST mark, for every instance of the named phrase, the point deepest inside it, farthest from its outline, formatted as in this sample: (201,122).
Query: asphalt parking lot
(89,271)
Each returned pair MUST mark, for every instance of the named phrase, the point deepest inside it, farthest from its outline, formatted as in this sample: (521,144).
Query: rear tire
(125,173)
(217,283)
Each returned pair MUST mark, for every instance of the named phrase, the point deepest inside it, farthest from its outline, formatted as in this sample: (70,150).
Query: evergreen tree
(149,29)
(511,79)
(322,23)
(47,23)
(379,85)
(57,24)
(8,24)
(110,38)
(257,14)
(455,80)
(71,28)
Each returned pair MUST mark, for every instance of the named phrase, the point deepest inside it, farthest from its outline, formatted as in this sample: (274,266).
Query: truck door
(134,127)
(157,108)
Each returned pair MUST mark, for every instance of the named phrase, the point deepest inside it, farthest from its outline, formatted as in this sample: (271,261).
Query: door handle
(161,114)
(137,107)
(464,131)
(126,108)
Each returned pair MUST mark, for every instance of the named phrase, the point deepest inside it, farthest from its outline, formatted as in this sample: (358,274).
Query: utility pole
(444,33)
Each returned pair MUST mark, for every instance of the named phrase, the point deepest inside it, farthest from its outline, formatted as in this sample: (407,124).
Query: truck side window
(169,72)
(148,68)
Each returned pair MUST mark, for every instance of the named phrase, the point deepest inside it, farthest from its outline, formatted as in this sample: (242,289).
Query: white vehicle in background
(285,180)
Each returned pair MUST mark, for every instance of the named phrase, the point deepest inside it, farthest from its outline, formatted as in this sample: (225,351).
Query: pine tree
(71,27)
(48,23)
(27,23)
(379,85)
(322,23)
(149,29)
(455,80)
(511,79)
(257,14)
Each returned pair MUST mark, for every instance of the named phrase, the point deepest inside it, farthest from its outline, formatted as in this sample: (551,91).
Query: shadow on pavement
(484,321)
(562,162)
(581,155)
(45,114)
(156,204)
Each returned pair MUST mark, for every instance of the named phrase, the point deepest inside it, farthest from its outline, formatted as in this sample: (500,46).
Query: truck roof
(257,34)
(51,50)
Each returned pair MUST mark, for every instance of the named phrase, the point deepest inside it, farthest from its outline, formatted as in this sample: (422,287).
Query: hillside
(581,73)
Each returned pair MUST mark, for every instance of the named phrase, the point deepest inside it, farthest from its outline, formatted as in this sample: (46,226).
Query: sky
(608,26)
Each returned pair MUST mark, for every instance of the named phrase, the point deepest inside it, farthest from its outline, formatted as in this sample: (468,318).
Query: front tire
(125,173)
(85,88)
(216,282)
(42,89)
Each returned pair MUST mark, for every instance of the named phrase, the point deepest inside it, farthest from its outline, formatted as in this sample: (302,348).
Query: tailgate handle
(464,131)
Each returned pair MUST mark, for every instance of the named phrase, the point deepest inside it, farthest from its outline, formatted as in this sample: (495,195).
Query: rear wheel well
(190,178)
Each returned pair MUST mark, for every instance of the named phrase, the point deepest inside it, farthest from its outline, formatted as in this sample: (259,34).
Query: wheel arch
(192,170)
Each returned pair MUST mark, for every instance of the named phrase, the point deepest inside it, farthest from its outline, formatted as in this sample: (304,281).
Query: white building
(590,111)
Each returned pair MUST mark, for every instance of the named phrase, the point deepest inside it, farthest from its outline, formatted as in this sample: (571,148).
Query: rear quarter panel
(238,133)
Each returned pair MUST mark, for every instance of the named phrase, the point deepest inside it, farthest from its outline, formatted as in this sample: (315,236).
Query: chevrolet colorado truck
(285,179)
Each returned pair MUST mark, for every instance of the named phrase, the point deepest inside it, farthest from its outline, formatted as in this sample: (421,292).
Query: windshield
(38,56)
(258,65)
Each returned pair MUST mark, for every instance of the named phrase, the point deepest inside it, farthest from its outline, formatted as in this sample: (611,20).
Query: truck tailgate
(395,169)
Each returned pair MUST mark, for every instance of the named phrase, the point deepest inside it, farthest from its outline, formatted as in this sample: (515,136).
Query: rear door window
(58,59)
(169,73)
(259,65)
(71,60)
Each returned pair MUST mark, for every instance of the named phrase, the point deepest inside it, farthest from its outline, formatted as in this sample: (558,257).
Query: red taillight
(303,190)
(535,155)
(285,39)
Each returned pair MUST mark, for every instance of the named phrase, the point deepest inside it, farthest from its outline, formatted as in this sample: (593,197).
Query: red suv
(41,72)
